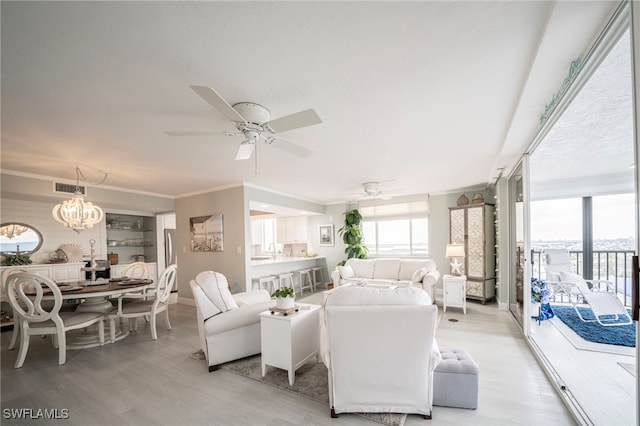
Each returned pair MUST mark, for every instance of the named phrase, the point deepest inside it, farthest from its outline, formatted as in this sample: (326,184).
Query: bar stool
(304,275)
(269,283)
(286,280)
(314,271)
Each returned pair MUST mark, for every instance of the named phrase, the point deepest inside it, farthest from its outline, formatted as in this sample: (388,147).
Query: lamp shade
(455,250)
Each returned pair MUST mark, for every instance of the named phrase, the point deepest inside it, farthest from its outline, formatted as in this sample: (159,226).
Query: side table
(289,341)
(454,291)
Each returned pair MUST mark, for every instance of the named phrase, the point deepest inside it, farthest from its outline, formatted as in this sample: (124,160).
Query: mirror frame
(38,233)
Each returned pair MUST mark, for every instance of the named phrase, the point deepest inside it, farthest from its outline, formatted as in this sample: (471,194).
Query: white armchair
(380,350)
(228,324)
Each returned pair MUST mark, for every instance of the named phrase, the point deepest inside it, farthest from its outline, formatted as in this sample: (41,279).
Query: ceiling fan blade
(289,147)
(245,150)
(294,121)
(218,102)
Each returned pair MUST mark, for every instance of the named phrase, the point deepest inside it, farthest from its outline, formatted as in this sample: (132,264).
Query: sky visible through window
(560,221)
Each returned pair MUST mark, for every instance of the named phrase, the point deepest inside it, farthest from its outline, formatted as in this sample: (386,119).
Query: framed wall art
(207,233)
(326,235)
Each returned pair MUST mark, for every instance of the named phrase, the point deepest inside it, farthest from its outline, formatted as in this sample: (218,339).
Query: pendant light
(76,213)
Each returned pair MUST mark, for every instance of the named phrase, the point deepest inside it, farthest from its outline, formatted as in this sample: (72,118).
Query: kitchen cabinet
(58,272)
(473,227)
(292,229)
(256,231)
(131,237)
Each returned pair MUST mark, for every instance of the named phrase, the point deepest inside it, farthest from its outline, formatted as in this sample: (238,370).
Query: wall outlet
(239,249)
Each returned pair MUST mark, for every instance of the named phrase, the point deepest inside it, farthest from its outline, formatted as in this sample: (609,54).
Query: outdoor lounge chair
(598,294)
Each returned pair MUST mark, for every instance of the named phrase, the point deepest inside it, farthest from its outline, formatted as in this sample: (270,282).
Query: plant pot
(285,302)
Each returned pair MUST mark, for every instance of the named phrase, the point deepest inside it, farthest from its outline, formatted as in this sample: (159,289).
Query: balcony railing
(608,265)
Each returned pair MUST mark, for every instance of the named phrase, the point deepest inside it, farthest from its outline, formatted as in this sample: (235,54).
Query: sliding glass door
(583,199)
(516,246)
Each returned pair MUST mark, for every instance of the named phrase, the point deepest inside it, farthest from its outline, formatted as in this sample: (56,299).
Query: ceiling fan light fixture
(372,188)
(245,150)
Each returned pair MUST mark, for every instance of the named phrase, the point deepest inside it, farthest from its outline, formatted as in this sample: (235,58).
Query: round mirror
(19,238)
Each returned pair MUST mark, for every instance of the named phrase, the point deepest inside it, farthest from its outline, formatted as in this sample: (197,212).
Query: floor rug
(585,345)
(621,335)
(311,382)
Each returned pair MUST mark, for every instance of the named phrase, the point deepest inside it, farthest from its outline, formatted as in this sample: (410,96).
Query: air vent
(65,188)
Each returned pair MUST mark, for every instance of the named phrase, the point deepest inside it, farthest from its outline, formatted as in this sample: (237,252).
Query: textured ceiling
(425,96)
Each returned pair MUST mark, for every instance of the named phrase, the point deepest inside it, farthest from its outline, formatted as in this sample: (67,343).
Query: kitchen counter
(282,259)
(282,264)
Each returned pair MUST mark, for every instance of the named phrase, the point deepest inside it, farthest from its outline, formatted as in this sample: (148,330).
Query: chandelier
(76,213)
(13,230)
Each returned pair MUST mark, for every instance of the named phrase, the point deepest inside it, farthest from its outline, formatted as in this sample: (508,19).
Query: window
(399,229)
(556,224)
(269,235)
(613,222)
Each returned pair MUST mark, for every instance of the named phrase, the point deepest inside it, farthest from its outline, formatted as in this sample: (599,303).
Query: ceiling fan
(372,191)
(254,122)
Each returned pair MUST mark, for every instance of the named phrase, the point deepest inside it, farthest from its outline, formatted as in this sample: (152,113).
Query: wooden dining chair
(26,292)
(148,307)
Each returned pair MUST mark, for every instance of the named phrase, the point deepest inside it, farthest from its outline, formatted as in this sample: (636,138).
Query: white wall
(230,203)
(439,227)
(38,215)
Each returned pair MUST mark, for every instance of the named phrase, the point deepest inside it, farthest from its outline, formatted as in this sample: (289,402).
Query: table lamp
(455,251)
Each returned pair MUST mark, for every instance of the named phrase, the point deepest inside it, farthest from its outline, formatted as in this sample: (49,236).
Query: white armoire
(473,226)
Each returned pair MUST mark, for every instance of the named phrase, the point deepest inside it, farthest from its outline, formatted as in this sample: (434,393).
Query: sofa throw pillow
(346,272)
(216,287)
(206,306)
(409,266)
(418,275)
(362,268)
(386,269)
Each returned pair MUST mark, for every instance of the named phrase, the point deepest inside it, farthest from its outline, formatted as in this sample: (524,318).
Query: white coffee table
(290,341)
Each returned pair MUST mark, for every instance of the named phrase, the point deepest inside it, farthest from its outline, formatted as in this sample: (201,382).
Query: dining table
(95,296)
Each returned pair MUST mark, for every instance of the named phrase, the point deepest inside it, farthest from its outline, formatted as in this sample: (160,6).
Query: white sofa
(380,350)
(421,272)
(228,324)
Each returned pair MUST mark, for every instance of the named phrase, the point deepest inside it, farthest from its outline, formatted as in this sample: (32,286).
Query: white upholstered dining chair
(147,307)
(25,292)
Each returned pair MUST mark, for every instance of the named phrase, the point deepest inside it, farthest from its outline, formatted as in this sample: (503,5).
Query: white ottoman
(455,380)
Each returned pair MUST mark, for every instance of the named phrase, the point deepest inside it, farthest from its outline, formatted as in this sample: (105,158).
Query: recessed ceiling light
(264,206)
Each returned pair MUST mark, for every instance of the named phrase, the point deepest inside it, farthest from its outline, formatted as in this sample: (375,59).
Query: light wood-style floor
(590,372)
(138,381)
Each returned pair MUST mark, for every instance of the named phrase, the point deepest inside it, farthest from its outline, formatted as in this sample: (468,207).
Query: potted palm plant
(285,298)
